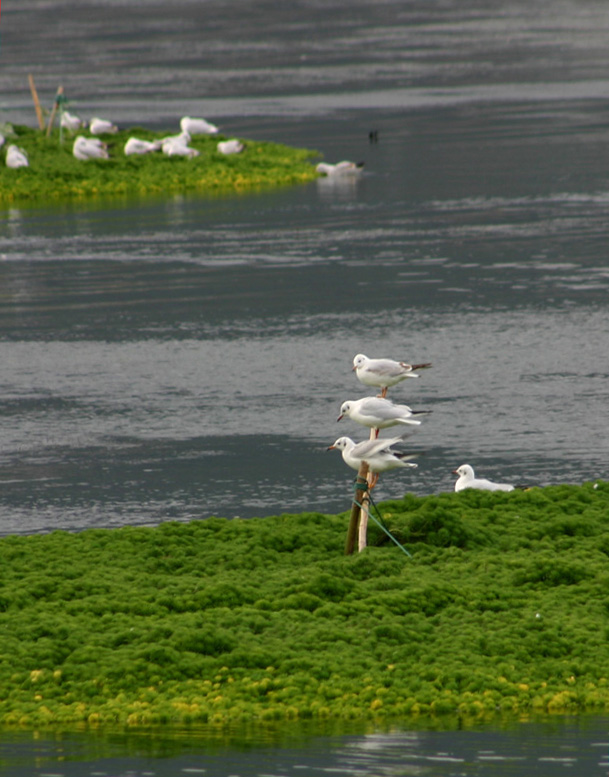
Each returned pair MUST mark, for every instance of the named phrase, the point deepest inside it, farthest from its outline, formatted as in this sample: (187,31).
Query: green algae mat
(55,174)
(502,608)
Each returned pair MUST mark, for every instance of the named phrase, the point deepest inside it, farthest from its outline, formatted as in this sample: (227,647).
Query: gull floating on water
(89,148)
(467,479)
(197,126)
(377,454)
(102,127)
(137,146)
(379,413)
(16,157)
(383,373)
(341,168)
(230,146)
(71,122)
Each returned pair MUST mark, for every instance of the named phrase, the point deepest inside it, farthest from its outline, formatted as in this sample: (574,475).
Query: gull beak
(330,448)
(339,417)
(454,472)
(353,368)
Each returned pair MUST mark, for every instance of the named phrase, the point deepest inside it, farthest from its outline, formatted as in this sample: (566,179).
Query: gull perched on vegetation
(383,372)
(230,146)
(137,146)
(341,168)
(89,148)
(197,126)
(377,454)
(177,145)
(379,413)
(102,127)
(16,157)
(467,479)
(71,122)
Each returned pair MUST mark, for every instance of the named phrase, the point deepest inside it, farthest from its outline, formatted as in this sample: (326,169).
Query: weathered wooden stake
(36,102)
(54,111)
(359,516)
(355,509)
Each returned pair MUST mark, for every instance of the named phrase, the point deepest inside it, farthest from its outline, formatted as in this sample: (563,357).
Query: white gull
(197,126)
(383,373)
(16,157)
(99,126)
(379,413)
(467,479)
(89,148)
(377,454)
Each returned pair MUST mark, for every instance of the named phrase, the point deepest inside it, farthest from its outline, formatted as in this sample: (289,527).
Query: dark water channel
(178,358)
(554,747)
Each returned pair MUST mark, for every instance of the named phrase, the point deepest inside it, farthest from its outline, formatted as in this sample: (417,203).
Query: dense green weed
(503,607)
(55,174)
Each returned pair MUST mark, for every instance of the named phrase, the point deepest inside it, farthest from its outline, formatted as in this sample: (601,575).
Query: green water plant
(54,174)
(502,608)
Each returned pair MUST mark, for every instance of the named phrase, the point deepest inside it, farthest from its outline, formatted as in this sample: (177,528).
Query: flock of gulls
(87,147)
(378,412)
(92,146)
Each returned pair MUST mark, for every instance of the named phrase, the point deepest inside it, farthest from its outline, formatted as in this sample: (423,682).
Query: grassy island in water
(54,173)
(502,608)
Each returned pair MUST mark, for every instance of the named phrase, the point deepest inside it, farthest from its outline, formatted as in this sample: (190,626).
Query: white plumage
(377,454)
(137,146)
(341,168)
(16,157)
(89,148)
(383,373)
(71,122)
(197,126)
(379,413)
(99,126)
(230,146)
(467,479)
(174,147)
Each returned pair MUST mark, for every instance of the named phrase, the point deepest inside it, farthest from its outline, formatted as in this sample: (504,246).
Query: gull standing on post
(379,413)
(383,373)
(377,454)
(467,479)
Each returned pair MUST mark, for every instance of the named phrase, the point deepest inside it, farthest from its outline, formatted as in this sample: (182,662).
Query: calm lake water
(186,357)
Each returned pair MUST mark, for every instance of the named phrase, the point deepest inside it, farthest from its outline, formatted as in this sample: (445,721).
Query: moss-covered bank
(55,174)
(504,606)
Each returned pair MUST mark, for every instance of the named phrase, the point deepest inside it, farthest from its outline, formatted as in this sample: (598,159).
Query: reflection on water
(544,748)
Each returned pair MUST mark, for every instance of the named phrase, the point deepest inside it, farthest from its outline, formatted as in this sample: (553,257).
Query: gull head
(464,471)
(345,410)
(342,444)
(359,360)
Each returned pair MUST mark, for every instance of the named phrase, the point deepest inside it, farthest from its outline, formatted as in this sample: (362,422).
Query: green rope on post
(382,526)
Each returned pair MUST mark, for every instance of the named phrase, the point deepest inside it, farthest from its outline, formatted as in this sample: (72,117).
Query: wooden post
(355,509)
(363,522)
(359,516)
(54,111)
(36,102)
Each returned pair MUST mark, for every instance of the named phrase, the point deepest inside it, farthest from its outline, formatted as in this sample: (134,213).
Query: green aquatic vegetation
(54,173)
(502,608)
